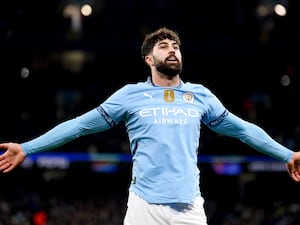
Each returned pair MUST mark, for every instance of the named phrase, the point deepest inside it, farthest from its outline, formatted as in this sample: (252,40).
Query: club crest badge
(188,97)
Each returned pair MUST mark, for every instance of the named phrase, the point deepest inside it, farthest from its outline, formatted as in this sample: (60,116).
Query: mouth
(172,59)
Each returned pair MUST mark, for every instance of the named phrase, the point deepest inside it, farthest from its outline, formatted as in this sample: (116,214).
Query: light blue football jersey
(163,125)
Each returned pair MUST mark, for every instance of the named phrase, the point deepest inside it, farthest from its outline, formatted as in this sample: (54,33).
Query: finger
(2,160)
(5,166)
(296,175)
(3,146)
(8,169)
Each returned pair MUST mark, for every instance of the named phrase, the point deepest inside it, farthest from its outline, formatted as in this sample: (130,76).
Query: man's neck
(165,81)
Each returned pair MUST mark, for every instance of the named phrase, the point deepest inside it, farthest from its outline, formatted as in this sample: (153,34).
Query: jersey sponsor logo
(168,111)
(169,115)
(188,97)
(170,121)
(169,95)
(149,95)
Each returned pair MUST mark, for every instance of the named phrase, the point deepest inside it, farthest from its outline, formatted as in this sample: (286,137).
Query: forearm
(67,131)
(254,136)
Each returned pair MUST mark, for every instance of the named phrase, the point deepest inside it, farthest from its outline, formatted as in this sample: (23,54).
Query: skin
(12,157)
(165,53)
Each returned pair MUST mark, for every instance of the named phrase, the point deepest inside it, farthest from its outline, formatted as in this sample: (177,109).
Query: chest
(166,105)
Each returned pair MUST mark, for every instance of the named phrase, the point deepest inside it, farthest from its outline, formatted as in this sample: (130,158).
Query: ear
(149,60)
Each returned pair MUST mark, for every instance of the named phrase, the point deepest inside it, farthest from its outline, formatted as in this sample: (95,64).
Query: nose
(172,48)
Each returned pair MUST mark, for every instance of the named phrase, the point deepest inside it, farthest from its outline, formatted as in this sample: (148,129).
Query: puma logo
(148,95)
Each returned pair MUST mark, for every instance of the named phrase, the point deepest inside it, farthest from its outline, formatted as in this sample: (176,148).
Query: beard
(170,70)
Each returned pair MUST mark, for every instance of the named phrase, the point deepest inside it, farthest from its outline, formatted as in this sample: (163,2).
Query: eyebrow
(165,42)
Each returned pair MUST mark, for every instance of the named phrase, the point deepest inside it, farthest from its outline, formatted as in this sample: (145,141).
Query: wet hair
(160,34)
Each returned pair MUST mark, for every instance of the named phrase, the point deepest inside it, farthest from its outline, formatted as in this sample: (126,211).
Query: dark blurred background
(58,63)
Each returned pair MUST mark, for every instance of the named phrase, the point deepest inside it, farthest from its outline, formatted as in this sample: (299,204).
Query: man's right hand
(12,157)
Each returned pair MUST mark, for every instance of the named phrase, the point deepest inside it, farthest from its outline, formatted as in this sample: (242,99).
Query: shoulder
(197,88)
(136,85)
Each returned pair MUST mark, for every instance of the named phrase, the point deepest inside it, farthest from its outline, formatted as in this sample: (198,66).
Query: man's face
(167,57)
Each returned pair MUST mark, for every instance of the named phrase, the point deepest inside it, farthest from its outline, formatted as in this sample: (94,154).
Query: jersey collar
(149,81)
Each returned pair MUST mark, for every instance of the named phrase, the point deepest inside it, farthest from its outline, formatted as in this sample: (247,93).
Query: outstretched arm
(88,123)
(258,139)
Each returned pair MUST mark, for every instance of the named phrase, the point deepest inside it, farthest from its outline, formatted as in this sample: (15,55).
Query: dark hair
(160,34)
